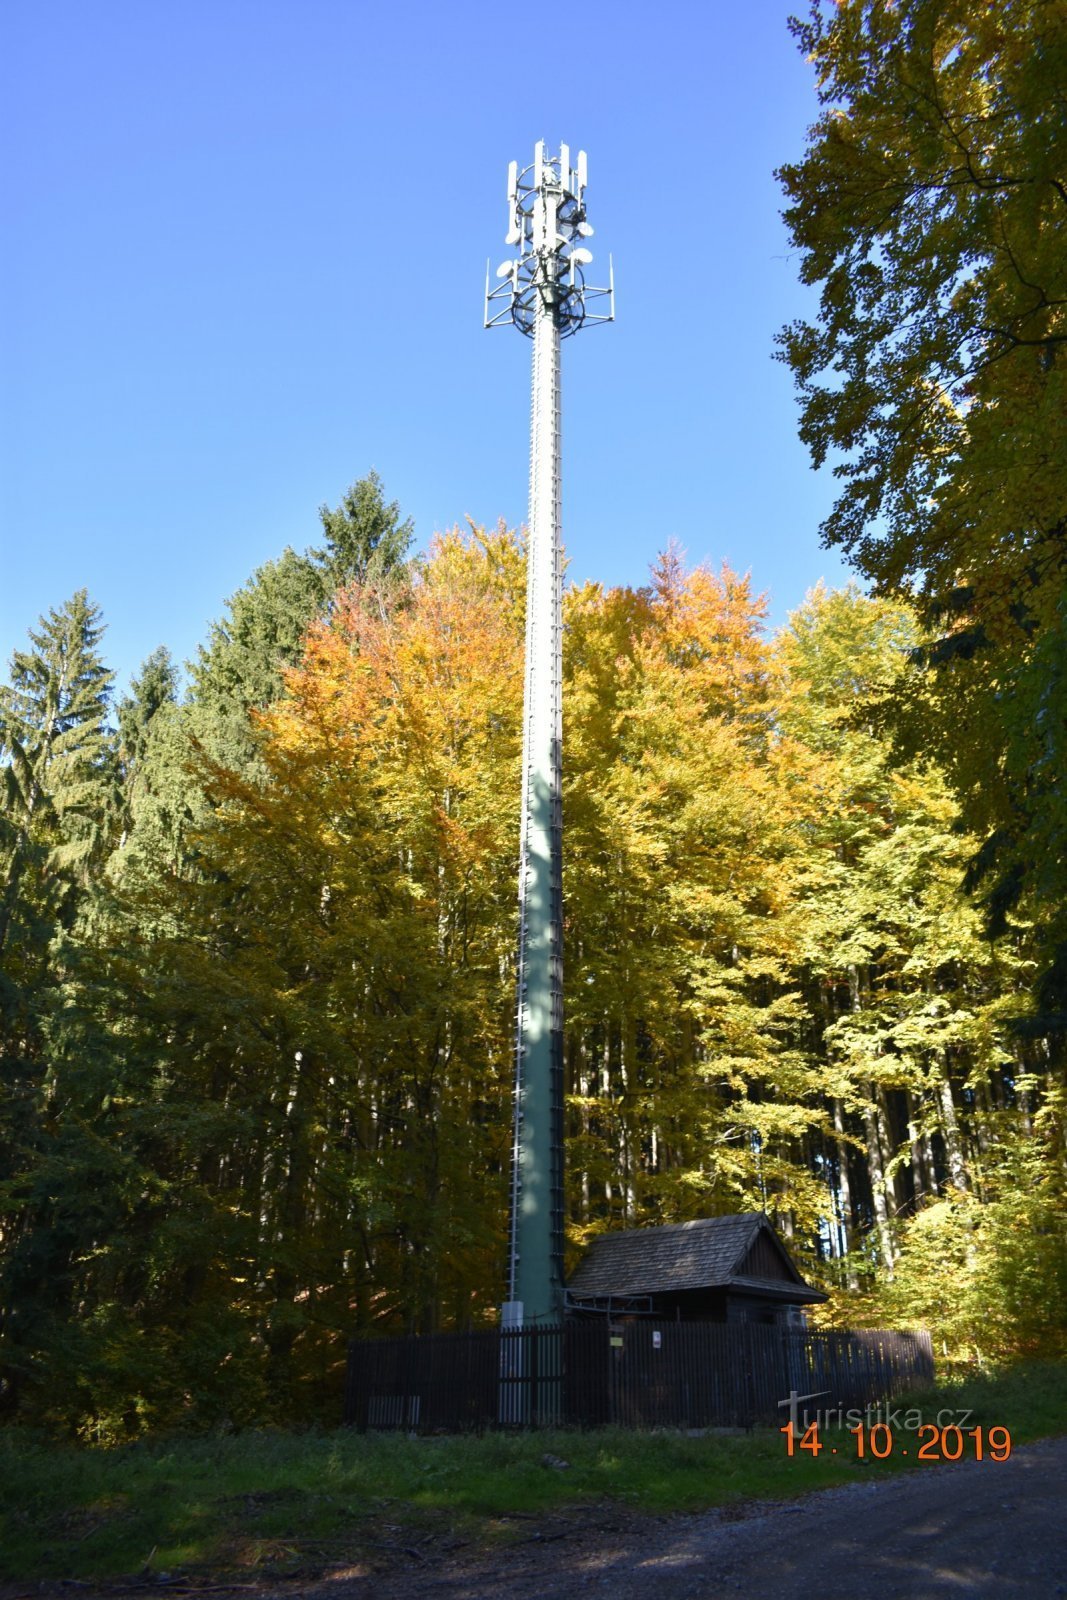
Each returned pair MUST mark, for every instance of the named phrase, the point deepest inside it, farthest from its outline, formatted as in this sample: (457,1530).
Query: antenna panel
(582,170)
(551,237)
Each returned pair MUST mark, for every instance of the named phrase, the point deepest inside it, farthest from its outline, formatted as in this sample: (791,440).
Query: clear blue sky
(242,255)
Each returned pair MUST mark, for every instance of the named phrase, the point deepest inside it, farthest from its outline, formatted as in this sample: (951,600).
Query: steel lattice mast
(545,295)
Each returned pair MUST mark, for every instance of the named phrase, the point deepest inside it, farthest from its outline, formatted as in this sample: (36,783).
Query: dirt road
(980,1528)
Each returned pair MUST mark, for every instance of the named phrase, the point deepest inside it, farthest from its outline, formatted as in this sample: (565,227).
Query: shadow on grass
(279,1500)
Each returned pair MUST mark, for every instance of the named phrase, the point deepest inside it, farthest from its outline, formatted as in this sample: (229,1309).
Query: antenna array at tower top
(547,221)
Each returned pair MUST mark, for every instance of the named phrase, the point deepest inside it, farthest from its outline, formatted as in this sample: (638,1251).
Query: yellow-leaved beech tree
(689,1092)
(382,848)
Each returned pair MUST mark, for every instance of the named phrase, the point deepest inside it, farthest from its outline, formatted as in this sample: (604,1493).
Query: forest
(257,929)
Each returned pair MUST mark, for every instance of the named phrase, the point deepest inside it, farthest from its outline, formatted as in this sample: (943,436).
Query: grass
(279,1500)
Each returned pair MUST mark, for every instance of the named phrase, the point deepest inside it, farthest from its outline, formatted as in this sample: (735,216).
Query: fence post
(350,1385)
(535,1375)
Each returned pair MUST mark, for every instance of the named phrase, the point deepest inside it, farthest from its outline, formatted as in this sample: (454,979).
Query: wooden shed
(718,1269)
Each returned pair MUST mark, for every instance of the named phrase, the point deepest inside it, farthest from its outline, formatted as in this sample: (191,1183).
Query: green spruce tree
(60,791)
(59,769)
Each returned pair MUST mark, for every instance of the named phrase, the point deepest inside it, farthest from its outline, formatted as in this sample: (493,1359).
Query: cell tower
(544,293)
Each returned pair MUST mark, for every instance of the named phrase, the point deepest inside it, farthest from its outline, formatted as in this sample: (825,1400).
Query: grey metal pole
(547,298)
(535,1277)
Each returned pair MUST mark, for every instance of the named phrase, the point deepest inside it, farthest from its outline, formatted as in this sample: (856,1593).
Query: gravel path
(980,1528)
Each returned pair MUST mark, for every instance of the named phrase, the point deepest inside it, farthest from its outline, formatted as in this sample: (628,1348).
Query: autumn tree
(929,207)
(947,1125)
(262,1060)
(908,996)
(689,1093)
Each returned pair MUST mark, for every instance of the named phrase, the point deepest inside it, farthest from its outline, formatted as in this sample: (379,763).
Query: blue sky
(242,256)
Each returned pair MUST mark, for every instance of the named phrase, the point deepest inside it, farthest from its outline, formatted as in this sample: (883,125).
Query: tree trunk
(950,1129)
(876,1169)
(915,1148)
(844,1189)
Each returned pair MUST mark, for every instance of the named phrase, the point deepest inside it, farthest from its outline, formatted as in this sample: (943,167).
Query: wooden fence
(641,1374)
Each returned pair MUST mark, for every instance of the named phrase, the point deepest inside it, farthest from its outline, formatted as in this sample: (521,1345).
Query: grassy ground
(303,1500)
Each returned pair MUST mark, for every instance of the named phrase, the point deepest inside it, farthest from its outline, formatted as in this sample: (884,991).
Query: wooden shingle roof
(712,1253)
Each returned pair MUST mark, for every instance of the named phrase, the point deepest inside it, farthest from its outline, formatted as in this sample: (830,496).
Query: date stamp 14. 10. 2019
(877,1441)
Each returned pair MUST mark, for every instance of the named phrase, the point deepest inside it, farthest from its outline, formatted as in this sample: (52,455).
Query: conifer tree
(242,667)
(154,689)
(60,809)
(58,763)
(365,538)
(161,796)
